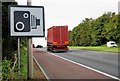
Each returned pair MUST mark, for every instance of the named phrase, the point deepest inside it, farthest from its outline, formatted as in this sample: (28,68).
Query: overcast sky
(71,12)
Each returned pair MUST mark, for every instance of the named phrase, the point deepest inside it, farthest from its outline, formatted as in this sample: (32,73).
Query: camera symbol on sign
(24,21)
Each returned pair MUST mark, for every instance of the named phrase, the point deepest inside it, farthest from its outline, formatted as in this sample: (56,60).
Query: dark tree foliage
(69,37)
(9,44)
(96,32)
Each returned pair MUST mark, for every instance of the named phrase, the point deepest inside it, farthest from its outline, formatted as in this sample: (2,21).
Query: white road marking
(41,69)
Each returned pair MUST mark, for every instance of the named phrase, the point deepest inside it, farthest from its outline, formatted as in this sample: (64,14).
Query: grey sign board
(26,21)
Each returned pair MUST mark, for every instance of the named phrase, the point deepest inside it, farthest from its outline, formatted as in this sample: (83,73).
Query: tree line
(95,32)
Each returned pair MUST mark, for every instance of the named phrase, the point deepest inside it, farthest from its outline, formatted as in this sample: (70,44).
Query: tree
(9,44)
(97,32)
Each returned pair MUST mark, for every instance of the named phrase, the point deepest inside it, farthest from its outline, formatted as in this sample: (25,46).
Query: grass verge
(97,48)
(38,74)
(22,74)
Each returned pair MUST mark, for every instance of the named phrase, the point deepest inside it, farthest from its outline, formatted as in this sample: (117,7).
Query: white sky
(71,12)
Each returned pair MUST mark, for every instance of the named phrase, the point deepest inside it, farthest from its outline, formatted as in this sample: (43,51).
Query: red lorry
(57,38)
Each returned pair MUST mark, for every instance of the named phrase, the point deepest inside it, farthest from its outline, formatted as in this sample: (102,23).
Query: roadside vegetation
(96,32)
(97,48)
(93,34)
(7,65)
(9,49)
(22,73)
(9,44)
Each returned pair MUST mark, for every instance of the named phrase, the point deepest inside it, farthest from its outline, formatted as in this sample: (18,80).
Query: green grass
(22,74)
(97,48)
(23,63)
(0,72)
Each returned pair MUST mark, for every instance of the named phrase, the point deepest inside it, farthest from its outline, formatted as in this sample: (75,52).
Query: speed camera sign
(26,21)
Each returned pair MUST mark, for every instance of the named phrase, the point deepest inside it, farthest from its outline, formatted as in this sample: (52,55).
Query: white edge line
(87,67)
(41,69)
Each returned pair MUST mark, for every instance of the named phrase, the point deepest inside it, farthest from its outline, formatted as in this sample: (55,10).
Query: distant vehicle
(111,44)
(33,45)
(39,46)
(57,38)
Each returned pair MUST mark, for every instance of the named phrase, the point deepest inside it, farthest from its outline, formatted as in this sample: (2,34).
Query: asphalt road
(102,61)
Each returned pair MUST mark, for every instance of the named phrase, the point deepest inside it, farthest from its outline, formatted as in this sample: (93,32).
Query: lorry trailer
(57,38)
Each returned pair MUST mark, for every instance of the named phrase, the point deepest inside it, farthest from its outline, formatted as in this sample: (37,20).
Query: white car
(111,44)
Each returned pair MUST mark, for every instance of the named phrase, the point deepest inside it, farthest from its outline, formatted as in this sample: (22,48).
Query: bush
(6,67)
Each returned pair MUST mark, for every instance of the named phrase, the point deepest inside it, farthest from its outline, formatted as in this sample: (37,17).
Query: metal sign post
(30,59)
(30,53)
(18,53)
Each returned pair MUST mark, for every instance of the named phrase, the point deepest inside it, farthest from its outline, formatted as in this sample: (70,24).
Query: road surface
(103,61)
